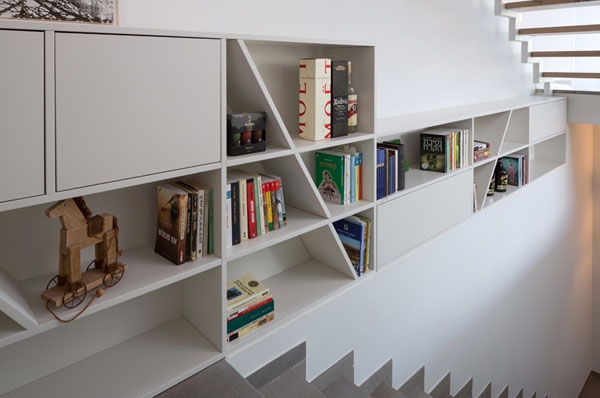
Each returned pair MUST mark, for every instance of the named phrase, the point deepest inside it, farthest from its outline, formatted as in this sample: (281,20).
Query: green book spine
(245,319)
(330,176)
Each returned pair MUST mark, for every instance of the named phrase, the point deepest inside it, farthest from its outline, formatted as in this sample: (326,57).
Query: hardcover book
(433,149)
(315,98)
(251,316)
(172,207)
(351,231)
(244,330)
(203,217)
(330,176)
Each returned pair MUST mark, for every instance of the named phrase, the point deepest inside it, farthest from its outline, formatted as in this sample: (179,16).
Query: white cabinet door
(546,120)
(21,114)
(412,219)
(129,106)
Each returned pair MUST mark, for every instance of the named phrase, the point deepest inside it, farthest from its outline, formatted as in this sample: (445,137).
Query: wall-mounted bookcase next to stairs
(532,126)
(136,127)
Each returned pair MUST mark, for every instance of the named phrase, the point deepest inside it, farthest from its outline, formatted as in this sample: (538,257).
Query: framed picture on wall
(86,11)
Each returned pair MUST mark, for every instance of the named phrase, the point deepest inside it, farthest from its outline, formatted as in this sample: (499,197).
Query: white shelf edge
(169,354)
(302,145)
(269,153)
(108,186)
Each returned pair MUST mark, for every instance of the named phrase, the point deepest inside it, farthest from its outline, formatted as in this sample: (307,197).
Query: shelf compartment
(300,273)
(142,366)
(517,131)
(246,92)
(146,272)
(277,63)
(547,155)
(412,219)
(336,210)
(491,129)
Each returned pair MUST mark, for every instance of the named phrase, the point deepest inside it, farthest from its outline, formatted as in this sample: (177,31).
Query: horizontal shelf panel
(298,222)
(307,145)
(422,120)
(295,292)
(539,167)
(140,367)
(509,147)
(340,211)
(146,272)
(109,186)
(498,196)
(269,153)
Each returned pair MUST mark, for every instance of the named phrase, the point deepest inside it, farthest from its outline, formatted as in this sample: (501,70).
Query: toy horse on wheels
(79,230)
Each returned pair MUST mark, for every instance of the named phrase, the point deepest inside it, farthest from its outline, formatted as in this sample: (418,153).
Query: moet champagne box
(315,98)
(246,133)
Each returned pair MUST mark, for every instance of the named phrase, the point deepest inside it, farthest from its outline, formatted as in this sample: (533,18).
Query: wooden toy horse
(79,230)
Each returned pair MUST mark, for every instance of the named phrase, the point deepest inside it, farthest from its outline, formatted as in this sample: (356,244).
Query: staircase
(285,377)
(562,58)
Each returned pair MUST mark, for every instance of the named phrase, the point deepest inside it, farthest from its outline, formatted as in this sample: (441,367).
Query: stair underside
(536,5)
(555,30)
(571,75)
(545,54)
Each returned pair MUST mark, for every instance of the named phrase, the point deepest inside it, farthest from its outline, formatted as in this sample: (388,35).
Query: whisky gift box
(339,98)
(246,133)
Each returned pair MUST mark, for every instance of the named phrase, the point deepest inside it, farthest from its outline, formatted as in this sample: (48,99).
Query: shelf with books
(300,273)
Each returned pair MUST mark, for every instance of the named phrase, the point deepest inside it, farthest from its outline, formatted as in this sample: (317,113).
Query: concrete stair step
(487,391)
(344,388)
(504,393)
(290,385)
(386,391)
(218,380)
(414,387)
(466,391)
(442,389)
(291,359)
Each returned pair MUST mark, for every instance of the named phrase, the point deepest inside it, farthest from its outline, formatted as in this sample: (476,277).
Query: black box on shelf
(339,98)
(246,133)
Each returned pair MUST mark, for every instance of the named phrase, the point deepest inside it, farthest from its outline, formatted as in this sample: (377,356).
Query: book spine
(249,299)
(260,209)
(243,210)
(249,317)
(211,221)
(250,327)
(250,307)
(274,209)
(267,205)
(359,159)
(228,229)
(252,228)
(235,213)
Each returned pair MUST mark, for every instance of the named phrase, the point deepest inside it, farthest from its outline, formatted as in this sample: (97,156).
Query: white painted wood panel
(130,106)
(21,114)
(413,219)
(547,119)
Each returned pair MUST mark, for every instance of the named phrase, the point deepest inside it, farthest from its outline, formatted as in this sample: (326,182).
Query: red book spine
(252,231)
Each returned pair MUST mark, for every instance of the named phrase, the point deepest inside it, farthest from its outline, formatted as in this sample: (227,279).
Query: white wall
(505,296)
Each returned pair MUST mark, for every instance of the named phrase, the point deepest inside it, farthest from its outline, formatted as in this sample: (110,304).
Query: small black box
(246,133)
(339,98)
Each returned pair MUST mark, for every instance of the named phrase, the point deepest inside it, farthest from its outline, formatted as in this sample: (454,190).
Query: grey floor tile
(386,391)
(344,388)
(290,385)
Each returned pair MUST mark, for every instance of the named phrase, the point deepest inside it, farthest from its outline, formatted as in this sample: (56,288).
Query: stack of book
(185,221)
(517,166)
(354,233)
(444,149)
(391,167)
(249,306)
(481,150)
(339,174)
(254,205)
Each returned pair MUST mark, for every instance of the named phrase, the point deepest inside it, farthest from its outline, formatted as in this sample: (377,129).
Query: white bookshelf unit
(110,113)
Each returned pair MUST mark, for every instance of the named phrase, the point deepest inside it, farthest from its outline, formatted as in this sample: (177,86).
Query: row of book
(444,149)
(391,167)
(517,166)
(185,221)
(255,205)
(339,174)
(249,305)
(355,234)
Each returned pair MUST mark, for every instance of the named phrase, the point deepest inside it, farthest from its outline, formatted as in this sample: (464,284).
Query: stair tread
(413,391)
(290,385)
(536,5)
(586,53)
(344,388)
(384,390)
(218,380)
(547,30)
(573,75)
